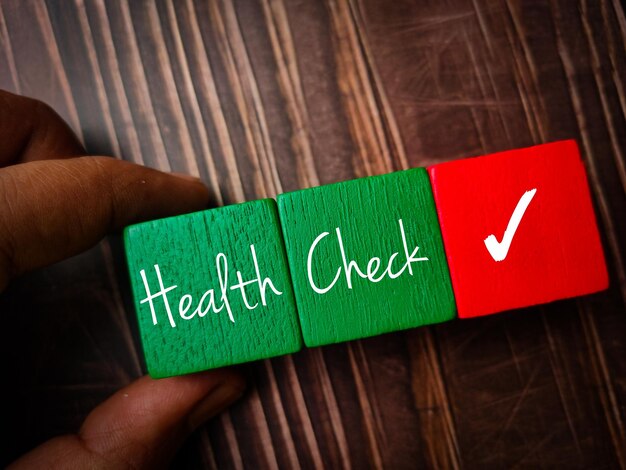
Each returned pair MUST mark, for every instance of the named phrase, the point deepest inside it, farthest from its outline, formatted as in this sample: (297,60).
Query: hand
(56,204)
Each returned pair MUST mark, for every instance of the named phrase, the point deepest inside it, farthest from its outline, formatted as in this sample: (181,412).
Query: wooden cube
(366,257)
(212,288)
(519,228)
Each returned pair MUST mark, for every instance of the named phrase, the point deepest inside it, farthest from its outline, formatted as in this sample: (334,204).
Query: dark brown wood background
(267,96)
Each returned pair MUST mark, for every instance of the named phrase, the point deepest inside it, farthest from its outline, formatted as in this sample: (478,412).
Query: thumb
(142,425)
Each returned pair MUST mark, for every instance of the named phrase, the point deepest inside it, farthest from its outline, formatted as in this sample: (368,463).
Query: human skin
(56,202)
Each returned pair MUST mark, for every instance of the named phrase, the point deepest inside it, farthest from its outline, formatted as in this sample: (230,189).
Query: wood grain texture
(268,96)
(212,288)
(366,257)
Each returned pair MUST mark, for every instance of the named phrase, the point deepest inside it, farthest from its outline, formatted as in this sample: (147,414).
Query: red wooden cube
(518,228)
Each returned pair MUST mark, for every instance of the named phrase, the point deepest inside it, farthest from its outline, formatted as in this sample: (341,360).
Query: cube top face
(366,257)
(212,288)
(518,228)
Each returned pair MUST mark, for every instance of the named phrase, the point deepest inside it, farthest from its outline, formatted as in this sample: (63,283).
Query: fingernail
(186,177)
(216,401)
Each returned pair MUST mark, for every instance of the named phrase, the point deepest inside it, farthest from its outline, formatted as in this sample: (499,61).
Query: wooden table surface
(267,96)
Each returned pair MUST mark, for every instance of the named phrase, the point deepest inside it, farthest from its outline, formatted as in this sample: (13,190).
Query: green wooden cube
(212,288)
(366,257)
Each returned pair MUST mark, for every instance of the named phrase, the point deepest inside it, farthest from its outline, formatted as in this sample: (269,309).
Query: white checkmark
(499,250)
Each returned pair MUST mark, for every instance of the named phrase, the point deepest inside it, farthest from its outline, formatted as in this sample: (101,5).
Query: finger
(54,209)
(31,130)
(142,425)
